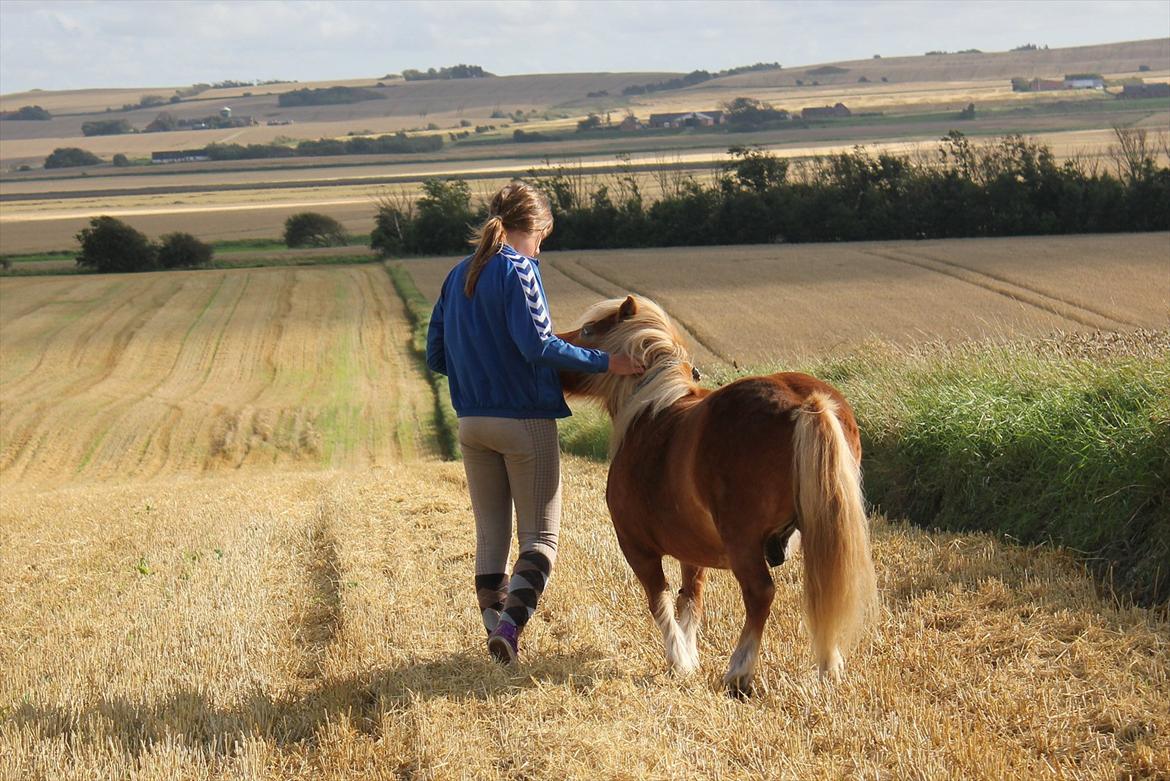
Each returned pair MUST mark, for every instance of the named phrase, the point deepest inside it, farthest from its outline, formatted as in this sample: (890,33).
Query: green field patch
(418,309)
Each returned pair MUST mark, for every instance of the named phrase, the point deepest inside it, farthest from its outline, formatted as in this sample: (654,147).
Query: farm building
(1135,91)
(687,119)
(1084,81)
(179,156)
(825,112)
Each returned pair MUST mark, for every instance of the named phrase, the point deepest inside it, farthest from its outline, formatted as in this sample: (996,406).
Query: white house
(1084,81)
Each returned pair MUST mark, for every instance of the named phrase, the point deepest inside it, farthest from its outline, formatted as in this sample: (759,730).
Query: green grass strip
(1027,442)
(418,310)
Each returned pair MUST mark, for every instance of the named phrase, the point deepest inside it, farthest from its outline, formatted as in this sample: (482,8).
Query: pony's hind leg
(690,606)
(751,570)
(648,568)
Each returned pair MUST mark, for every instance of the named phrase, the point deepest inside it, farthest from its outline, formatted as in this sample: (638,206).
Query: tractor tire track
(700,336)
(122,337)
(13,386)
(320,620)
(1053,305)
(1029,288)
(115,413)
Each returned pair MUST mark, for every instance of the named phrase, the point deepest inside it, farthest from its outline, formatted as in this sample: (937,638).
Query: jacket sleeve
(436,351)
(530,326)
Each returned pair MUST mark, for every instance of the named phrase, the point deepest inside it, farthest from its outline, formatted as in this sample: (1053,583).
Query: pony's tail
(839,583)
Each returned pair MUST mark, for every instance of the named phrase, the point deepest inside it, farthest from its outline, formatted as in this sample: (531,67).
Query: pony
(723,478)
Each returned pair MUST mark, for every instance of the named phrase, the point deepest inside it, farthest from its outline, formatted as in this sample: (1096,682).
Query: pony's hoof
(684,666)
(738,688)
(833,669)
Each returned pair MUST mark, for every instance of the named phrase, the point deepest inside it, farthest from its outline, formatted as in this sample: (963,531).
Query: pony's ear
(628,309)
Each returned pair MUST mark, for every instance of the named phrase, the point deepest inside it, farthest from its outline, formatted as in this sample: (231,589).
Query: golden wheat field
(756,304)
(193,372)
(187,590)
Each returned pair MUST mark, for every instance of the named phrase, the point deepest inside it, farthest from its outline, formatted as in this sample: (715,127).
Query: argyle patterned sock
(491,591)
(528,579)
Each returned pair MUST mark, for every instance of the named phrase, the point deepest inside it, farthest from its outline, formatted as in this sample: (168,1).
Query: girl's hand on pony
(621,364)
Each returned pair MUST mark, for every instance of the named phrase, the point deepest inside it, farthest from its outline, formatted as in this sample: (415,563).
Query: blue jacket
(498,348)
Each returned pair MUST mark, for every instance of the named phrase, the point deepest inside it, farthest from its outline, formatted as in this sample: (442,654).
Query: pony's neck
(658,389)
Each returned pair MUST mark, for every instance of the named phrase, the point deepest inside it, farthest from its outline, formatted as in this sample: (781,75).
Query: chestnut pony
(722,479)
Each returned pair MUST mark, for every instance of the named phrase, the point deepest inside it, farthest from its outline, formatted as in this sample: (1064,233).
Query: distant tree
(38,113)
(70,157)
(589,123)
(748,113)
(110,245)
(121,161)
(968,112)
(524,137)
(163,123)
(327,96)
(692,78)
(182,250)
(393,224)
(444,216)
(106,127)
(454,72)
(313,229)
(754,169)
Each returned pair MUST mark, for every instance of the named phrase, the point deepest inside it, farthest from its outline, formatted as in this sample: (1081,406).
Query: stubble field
(760,304)
(108,376)
(177,605)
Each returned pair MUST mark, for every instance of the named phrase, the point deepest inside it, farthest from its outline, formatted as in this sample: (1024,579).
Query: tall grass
(418,309)
(1028,442)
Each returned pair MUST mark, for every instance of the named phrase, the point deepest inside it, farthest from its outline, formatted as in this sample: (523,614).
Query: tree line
(1009,187)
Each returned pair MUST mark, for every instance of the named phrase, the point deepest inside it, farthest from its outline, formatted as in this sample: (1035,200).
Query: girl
(491,334)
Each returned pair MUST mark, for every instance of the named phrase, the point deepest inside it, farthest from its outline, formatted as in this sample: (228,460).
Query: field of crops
(227,550)
(758,304)
(196,372)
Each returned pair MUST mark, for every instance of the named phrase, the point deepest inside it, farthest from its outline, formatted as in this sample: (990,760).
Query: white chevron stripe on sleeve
(537,308)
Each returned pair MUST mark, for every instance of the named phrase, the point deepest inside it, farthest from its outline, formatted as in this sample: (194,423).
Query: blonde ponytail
(516,207)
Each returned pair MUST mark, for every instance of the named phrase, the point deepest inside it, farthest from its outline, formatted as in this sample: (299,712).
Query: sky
(59,44)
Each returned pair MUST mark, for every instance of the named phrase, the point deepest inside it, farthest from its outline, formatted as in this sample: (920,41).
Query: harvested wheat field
(758,304)
(191,372)
(227,550)
(323,626)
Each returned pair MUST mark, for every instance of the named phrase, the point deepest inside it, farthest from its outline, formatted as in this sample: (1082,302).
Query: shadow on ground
(189,717)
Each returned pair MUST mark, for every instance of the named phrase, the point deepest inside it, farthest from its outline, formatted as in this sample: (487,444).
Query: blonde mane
(651,338)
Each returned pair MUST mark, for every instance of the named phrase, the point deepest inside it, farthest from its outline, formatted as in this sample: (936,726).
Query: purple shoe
(504,643)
